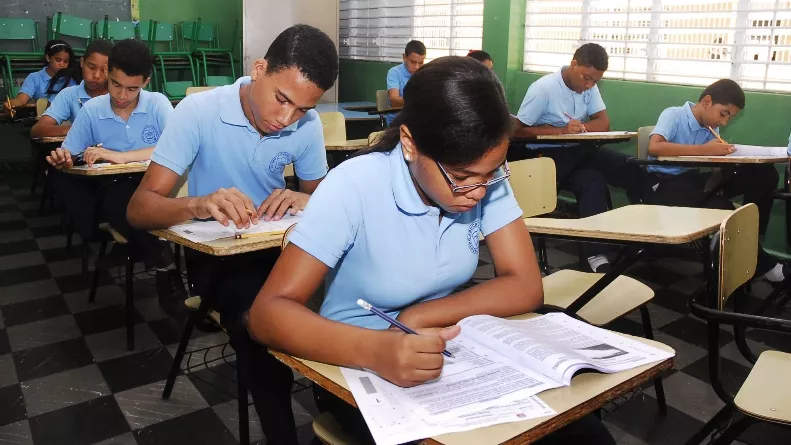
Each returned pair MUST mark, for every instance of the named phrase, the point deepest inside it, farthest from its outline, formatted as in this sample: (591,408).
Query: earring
(408,158)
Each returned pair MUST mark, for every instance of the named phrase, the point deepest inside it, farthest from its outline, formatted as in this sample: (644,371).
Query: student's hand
(409,360)
(93,154)
(225,205)
(280,202)
(574,127)
(60,158)
(715,148)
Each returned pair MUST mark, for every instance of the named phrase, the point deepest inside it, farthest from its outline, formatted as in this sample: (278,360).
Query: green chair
(115,30)
(168,58)
(70,26)
(203,40)
(17,32)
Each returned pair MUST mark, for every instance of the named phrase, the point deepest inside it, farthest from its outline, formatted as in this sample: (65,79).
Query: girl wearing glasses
(398,226)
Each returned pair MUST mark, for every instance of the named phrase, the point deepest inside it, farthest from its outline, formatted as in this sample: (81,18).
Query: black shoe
(171,293)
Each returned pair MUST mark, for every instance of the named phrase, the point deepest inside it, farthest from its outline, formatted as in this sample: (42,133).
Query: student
(58,54)
(482,56)
(126,123)
(569,102)
(414,56)
(399,227)
(236,140)
(684,131)
(92,78)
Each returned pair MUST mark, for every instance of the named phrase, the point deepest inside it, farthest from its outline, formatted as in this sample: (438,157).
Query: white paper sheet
(129,164)
(390,422)
(759,152)
(604,133)
(205,231)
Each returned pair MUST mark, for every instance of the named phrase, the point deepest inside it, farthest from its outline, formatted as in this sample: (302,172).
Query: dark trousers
(588,430)
(82,197)
(268,380)
(756,183)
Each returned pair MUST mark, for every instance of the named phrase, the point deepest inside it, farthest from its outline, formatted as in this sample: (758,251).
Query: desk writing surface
(726,159)
(349,115)
(637,223)
(592,136)
(84,170)
(49,140)
(588,391)
(350,145)
(225,246)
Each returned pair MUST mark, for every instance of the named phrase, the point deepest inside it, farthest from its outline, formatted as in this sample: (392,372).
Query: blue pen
(369,307)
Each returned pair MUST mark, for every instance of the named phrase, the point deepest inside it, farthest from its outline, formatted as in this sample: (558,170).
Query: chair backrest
(373,137)
(115,30)
(20,29)
(193,90)
(643,134)
(334,125)
(41,106)
(142,29)
(382,100)
(535,189)
(163,32)
(69,25)
(738,245)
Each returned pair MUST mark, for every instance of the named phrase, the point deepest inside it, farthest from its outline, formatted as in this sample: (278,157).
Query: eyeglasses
(505,172)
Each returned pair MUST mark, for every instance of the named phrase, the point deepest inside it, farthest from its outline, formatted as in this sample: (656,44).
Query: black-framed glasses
(504,173)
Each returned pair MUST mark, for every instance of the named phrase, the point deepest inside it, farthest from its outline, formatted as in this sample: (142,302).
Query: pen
(717,136)
(571,119)
(367,306)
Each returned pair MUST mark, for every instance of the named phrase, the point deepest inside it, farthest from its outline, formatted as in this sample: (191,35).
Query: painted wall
(224,13)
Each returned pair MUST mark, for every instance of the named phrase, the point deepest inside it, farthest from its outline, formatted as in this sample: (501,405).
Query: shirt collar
(693,123)
(404,191)
(559,77)
(82,94)
(405,72)
(231,111)
(142,106)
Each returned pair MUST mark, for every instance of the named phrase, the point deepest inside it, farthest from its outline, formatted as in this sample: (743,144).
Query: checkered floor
(66,378)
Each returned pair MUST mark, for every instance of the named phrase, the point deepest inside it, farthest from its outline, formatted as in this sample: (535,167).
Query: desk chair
(382,103)
(533,182)
(334,125)
(765,396)
(374,137)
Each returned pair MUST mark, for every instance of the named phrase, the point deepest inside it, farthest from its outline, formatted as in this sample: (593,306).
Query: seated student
(399,226)
(126,123)
(482,56)
(92,78)
(236,141)
(397,76)
(58,55)
(684,131)
(569,102)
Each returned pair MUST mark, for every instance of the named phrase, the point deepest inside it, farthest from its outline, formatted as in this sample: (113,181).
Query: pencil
(717,136)
(369,307)
(571,119)
(11,111)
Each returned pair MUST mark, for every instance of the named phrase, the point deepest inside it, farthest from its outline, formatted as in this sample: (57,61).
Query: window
(675,41)
(379,29)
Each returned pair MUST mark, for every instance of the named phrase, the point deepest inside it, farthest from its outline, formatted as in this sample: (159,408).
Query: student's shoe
(171,293)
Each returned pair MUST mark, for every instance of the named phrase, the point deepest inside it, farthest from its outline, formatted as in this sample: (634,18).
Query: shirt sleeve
(80,135)
(392,79)
(533,105)
(331,219)
(667,125)
(30,85)
(164,111)
(596,103)
(498,208)
(311,163)
(180,140)
(60,108)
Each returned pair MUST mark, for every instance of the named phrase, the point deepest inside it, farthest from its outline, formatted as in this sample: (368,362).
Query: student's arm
(26,92)
(666,130)
(94,154)
(533,106)
(20,99)
(393,89)
(48,127)
(77,140)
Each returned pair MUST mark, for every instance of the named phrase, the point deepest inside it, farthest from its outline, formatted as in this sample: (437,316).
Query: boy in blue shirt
(67,104)
(689,130)
(119,127)
(414,56)
(236,140)
(569,102)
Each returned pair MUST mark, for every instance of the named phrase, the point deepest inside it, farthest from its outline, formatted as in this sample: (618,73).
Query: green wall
(766,119)
(224,13)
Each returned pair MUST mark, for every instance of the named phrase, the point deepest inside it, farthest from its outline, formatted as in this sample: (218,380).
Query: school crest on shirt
(472,236)
(279,162)
(150,134)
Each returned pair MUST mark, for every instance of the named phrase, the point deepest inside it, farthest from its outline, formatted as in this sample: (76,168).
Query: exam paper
(604,133)
(391,422)
(128,164)
(759,152)
(205,231)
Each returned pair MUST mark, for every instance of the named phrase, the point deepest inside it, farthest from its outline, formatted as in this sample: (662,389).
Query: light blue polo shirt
(679,126)
(35,85)
(548,98)
(367,223)
(397,77)
(97,123)
(68,103)
(210,133)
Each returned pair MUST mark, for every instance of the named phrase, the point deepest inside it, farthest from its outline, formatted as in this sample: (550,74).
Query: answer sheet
(128,164)
(391,422)
(759,152)
(205,231)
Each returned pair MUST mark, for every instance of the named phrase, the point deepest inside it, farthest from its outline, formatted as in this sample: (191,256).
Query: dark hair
(307,49)
(479,55)
(74,71)
(50,49)
(415,46)
(455,109)
(132,57)
(592,55)
(724,92)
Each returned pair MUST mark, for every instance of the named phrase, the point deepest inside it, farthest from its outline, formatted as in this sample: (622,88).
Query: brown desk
(579,137)
(226,246)
(117,169)
(587,393)
(723,159)
(49,140)
(350,145)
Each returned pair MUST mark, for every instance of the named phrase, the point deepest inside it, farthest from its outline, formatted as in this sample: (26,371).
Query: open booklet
(497,361)
(205,231)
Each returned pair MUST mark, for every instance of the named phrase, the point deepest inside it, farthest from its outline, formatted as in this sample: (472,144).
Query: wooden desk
(350,145)
(226,246)
(717,160)
(615,136)
(49,140)
(636,223)
(587,393)
(84,170)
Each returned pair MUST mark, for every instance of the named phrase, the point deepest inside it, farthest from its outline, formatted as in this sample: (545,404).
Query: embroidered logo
(150,134)
(472,236)
(279,162)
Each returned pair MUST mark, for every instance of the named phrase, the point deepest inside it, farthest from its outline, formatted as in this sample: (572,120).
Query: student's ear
(259,68)
(145,84)
(403,57)
(407,144)
(573,64)
(82,60)
(706,101)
